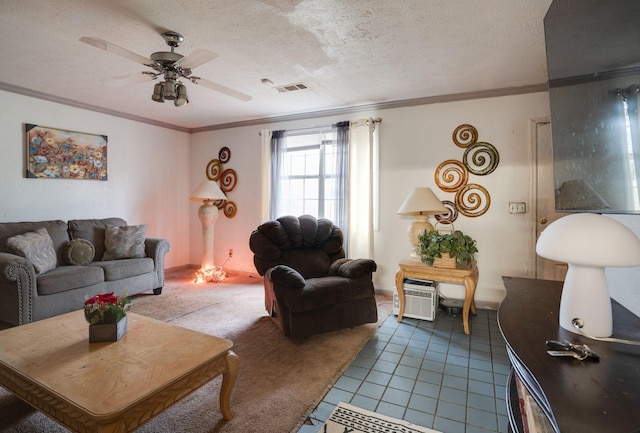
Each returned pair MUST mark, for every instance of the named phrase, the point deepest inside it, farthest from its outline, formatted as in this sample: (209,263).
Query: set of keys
(565,348)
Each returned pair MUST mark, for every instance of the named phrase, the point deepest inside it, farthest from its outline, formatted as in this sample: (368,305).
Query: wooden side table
(468,275)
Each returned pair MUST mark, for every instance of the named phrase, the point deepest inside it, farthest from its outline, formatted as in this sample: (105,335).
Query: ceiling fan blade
(196,58)
(220,88)
(125,80)
(108,46)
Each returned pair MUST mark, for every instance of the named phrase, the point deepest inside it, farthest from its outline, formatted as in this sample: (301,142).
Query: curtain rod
(359,122)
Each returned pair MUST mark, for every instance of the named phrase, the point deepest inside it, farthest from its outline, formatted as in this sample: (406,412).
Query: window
(310,174)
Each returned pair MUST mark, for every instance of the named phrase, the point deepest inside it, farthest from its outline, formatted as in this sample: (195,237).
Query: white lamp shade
(588,243)
(422,201)
(590,240)
(208,190)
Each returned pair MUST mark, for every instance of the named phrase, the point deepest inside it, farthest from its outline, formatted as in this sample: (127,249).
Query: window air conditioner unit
(420,299)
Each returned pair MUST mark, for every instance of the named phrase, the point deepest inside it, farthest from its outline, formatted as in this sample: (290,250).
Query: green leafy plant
(433,244)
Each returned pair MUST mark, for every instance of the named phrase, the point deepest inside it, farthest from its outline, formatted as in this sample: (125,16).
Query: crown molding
(493,93)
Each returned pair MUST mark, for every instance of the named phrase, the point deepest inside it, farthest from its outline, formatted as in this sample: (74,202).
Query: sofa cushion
(65,278)
(57,230)
(79,252)
(125,268)
(93,231)
(37,247)
(124,242)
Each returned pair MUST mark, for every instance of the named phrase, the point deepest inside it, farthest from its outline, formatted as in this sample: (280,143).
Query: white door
(545,200)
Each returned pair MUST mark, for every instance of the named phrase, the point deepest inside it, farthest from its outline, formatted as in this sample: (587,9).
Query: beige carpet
(280,380)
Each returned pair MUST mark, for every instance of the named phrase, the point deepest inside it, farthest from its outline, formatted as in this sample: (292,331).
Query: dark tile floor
(430,374)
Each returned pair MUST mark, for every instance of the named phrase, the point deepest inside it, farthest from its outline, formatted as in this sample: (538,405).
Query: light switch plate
(517,207)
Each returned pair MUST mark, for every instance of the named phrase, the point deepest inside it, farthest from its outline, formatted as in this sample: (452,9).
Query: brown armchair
(310,288)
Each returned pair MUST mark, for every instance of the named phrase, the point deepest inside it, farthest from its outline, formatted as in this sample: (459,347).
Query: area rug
(280,380)
(348,418)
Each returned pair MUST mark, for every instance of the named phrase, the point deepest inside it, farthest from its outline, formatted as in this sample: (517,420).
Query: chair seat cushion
(322,292)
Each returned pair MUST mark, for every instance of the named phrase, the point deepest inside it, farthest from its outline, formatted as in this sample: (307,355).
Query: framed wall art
(56,153)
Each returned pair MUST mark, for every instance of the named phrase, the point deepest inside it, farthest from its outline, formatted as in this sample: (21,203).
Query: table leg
(469,303)
(400,289)
(228,380)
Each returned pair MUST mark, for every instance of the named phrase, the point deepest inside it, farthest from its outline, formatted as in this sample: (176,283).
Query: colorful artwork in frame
(56,153)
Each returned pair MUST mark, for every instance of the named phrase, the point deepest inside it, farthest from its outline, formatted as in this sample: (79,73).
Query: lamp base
(208,214)
(418,226)
(585,296)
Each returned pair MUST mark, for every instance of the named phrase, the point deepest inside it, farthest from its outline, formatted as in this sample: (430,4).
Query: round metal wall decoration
(473,200)
(465,135)
(451,175)
(450,216)
(228,180)
(481,158)
(230,209)
(214,169)
(224,155)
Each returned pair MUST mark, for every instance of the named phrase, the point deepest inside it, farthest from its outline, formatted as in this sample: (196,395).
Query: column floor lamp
(208,192)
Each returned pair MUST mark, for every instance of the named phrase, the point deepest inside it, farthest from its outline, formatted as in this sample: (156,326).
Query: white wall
(413,142)
(148,169)
(152,170)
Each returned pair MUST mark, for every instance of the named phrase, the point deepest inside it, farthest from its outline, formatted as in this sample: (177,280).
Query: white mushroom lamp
(588,243)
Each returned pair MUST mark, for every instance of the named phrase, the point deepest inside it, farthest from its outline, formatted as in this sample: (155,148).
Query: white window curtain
(363,212)
(363,187)
(265,145)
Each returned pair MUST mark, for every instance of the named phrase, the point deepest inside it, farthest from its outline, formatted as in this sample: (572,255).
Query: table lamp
(420,203)
(588,243)
(209,192)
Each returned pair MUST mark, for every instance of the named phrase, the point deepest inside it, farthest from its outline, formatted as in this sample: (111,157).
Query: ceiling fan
(172,67)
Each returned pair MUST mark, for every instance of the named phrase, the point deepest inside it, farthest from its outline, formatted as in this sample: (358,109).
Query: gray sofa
(29,293)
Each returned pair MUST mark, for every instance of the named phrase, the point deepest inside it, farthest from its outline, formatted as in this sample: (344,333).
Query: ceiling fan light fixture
(169,90)
(181,98)
(158,91)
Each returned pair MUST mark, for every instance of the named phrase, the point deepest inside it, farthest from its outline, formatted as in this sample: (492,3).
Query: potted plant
(107,317)
(446,249)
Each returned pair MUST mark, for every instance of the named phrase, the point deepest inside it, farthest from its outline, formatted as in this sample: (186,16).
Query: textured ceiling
(348,53)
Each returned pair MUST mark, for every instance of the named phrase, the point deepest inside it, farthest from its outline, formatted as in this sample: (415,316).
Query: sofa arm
(352,268)
(156,249)
(283,275)
(17,289)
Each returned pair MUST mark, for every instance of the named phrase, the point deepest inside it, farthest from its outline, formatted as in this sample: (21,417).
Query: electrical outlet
(230,252)
(517,207)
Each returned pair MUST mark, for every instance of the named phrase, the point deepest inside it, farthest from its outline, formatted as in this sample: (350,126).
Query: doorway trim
(534,122)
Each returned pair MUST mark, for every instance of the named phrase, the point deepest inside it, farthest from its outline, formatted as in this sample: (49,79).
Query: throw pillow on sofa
(124,242)
(37,247)
(79,252)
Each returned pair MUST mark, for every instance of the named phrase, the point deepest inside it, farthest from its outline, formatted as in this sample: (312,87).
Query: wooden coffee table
(111,387)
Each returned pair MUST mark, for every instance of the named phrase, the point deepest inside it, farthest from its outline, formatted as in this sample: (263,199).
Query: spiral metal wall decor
(214,170)
(224,155)
(480,158)
(226,178)
(473,200)
(451,175)
(465,135)
(451,215)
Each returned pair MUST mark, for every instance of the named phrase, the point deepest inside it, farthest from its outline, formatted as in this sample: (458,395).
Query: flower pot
(101,332)
(446,261)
